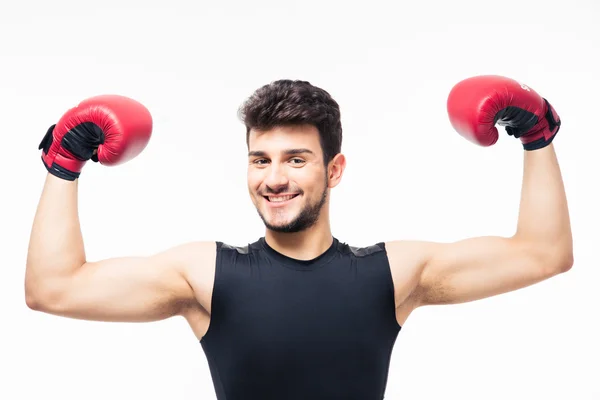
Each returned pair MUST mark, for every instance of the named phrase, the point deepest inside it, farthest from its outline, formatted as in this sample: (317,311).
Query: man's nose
(276,178)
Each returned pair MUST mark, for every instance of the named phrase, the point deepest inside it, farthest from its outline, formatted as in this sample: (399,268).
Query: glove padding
(108,129)
(475,105)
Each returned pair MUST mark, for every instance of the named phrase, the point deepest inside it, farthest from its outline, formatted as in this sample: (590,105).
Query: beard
(307,217)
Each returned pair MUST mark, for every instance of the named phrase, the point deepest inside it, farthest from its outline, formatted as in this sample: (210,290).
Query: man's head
(294,138)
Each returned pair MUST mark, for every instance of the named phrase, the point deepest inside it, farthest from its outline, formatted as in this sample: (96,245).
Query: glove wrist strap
(61,172)
(539,143)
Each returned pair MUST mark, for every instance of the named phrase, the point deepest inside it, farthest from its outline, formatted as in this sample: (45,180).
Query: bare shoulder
(196,254)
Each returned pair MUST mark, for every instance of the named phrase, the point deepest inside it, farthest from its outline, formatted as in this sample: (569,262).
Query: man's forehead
(285,140)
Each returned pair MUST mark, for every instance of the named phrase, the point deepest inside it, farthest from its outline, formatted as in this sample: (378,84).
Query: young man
(298,314)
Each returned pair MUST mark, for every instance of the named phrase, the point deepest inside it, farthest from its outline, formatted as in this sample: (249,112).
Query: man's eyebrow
(260,153)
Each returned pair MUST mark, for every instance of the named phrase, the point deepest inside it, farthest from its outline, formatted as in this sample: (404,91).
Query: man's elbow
(566,263)
(549,258)
(40,298)
(34,300)
(558,262)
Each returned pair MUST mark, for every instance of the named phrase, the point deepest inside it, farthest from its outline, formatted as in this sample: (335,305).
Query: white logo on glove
(524,87)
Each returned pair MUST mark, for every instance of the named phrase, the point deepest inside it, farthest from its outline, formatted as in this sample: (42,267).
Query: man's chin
(282,229)
(280,226)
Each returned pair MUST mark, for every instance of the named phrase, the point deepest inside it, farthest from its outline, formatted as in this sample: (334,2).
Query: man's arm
(59,280)
(476,268)
(542,246)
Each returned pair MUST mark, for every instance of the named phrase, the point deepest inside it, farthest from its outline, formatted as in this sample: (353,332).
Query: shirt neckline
(294,263)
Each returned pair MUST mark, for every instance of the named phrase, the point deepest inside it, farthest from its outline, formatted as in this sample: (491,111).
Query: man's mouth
(280,198)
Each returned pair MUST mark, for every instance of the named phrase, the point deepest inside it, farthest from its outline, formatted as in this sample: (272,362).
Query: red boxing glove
(476,105)
(109,129)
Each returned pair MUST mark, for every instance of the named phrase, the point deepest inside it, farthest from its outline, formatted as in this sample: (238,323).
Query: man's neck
(304,245)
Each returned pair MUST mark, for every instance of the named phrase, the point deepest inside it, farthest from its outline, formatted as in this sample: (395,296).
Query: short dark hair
(294,102)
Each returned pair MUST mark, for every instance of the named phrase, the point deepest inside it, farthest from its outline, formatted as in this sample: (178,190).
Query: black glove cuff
(61,172)
(539,144)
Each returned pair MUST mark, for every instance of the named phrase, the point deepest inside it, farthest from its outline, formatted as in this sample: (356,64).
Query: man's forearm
(56,245)
(543,214)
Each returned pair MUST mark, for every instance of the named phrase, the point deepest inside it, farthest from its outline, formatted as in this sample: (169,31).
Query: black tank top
(289,329)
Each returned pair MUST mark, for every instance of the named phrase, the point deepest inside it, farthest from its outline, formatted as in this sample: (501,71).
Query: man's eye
(260,161)
(297,161)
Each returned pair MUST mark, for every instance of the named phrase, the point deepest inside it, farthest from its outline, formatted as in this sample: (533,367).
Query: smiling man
(276,193)
(298,313)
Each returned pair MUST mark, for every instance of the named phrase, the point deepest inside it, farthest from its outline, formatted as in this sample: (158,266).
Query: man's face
(287,178)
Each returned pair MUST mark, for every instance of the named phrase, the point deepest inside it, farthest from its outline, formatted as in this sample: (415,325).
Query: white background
(390,65)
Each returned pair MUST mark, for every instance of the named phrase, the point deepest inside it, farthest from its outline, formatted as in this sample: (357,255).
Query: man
(298,314)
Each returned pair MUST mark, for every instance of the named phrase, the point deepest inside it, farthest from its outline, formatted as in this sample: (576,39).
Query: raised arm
(59,279)
(476,268)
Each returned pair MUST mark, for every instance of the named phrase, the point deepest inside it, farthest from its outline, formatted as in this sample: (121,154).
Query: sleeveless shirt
(290,329)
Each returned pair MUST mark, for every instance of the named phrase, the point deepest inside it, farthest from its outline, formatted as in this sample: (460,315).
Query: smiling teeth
(280,198)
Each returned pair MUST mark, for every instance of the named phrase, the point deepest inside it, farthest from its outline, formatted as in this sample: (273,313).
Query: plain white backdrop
(390,65)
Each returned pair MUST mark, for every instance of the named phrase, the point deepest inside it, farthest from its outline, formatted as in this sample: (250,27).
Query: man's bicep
(129,289)
(477,268)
